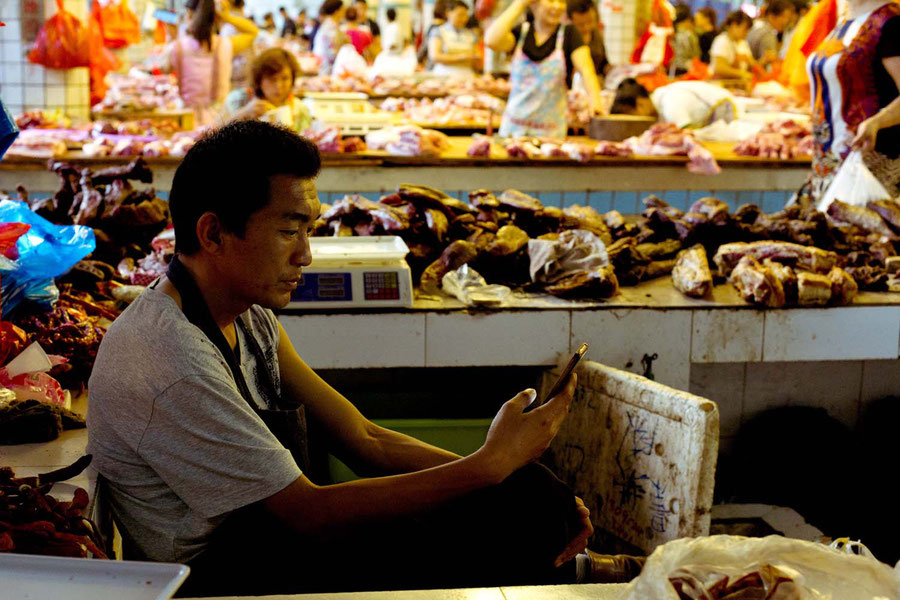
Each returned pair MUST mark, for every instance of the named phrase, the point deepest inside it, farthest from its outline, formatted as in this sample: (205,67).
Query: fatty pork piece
(786,276)
(713,209)
(437,223)
(454,256)
(691,275)
(653,203)
(422,197)
(588,218)
(657,250)
(843,287)
(757,284)
(864,218)
(652,269)
(483,199)
(889,210)
(508,240)
(88,201)
(598,283)
(813,289)
(806,257)
(355,208)
(144,209)
(520,201)
(136,170)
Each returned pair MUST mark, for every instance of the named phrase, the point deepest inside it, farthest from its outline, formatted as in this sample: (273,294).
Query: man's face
(586,23)
(781,22)
(362,13)
(264,266)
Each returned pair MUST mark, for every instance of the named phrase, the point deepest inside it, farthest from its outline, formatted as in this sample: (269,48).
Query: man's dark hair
(738,17)
(682,13)
(776,8)
(350,14)
(283,9)
(454,4)
(710,15)
(329,7)
(391,14)
(627,95)
(579,7)
(227,173)
(237,3)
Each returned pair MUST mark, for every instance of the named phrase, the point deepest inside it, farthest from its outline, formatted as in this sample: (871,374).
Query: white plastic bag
(819,572)
(348,62)
(470,288)
(854,184)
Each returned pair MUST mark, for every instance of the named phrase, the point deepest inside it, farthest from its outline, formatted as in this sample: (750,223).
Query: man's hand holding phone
(516,437)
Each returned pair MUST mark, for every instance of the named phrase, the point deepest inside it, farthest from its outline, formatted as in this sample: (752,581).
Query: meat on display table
(376,172)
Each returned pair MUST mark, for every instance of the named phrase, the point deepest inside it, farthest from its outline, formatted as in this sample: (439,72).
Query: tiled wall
(844,388)
(26,86)
(620,19)
(624,202)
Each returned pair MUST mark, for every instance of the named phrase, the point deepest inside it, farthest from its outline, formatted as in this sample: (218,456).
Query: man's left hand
(579,543)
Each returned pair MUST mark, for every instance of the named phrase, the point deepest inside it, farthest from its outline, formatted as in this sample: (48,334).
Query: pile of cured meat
(768,582)
(784,140)
(33,522)
(130,224)
(797,256)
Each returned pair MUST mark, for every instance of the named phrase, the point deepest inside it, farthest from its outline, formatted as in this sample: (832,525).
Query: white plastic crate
(350,111)
(640,454)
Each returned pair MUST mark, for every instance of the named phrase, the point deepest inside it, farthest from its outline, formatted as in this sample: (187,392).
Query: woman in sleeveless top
(854,78)
(203,60)
(545,53)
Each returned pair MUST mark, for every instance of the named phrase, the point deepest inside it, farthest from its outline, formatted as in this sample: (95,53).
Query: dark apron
(288,425)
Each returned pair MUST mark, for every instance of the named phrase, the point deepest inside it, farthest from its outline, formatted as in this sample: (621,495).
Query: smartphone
(563,378)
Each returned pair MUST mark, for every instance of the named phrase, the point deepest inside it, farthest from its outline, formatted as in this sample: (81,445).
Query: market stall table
(374,172)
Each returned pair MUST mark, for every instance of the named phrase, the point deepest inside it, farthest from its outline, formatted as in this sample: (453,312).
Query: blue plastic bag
(46,251)
(8,130)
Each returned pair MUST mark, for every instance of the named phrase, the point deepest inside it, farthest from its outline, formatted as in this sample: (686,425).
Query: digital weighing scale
(355,272)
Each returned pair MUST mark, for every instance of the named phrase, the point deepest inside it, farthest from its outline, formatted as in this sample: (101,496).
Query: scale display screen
(324,287)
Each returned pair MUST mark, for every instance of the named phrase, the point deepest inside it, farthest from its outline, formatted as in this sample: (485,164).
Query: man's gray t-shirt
(170,432)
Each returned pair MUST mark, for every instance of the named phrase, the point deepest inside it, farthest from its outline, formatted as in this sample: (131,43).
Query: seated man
(197,412)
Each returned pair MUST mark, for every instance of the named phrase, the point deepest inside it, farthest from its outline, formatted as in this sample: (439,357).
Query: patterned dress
(842,74)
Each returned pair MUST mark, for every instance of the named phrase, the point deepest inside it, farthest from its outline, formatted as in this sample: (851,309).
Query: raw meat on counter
(667,139)
(450,110)
(691,275)
(37,146)
(329,140)
(481,146)
(139,91)
(408,140)
(807,257)
(784,140)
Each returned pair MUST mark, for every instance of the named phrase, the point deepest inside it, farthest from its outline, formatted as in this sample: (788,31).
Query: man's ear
(209,232)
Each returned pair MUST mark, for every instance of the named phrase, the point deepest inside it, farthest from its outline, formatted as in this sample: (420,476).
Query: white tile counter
(537,592)
(645,319)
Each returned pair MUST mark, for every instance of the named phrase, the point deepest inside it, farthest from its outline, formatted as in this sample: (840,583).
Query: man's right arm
(515,439)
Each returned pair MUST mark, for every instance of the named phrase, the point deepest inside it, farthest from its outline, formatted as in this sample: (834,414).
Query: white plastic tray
(25,576)
(357,249)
